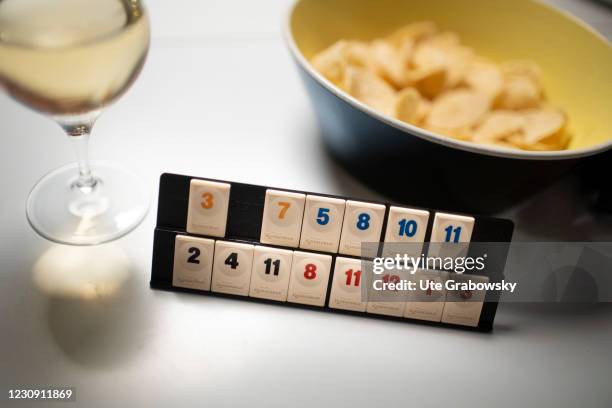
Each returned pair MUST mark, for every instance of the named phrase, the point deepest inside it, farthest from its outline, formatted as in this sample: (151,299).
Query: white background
(219,97)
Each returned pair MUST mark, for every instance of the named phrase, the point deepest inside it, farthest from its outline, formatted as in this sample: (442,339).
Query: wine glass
(69,59)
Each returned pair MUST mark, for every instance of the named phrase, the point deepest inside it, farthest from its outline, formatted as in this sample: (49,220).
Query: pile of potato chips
(426,77)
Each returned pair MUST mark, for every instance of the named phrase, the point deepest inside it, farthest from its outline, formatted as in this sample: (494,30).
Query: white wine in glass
(69,59)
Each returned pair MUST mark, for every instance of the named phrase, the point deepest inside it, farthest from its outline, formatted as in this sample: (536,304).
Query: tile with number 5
(232,268)
(270,275)
(362,223)
(346,291)
(322,223)
(193,259)
(282,218)
(309,278)
(208,207)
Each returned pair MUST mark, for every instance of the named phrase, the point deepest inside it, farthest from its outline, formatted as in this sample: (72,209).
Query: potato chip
(522,68)
(331,63)
(458,109)
(499,125)
(484,76)
(407,105)
(370,89)
(542,124)
(429,81)
(389,63)
(412,32)
(519,92)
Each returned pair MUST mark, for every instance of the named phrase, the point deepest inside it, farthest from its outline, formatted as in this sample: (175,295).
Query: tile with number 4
(270,275)
(362,223)
(193,259)
(322,223)
(232,268)
(282,218)
(346,285)
(309,278)
(208,206)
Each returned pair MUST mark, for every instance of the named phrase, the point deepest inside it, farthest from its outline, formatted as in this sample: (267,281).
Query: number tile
(346,285)
(362,223)
(450,235)
(464,307)
(322,223)
(232,266)
(427,302)
(387,302)
(270,275)
(282,218)
(405,232)
(309,278)
(193,259)
(208,206)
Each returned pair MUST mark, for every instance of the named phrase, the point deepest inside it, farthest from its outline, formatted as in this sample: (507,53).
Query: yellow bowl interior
(577,62)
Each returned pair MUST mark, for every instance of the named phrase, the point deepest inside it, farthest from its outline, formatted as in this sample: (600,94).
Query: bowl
(420,167)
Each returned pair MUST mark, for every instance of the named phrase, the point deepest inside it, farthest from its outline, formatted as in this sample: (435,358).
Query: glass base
(62,212)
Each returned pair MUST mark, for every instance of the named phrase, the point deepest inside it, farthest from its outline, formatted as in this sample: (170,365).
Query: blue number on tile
(407,228)
(323,216)
(363,221)
(449,234)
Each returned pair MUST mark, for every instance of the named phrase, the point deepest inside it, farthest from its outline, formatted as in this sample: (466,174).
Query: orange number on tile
(310,272)
(208,201)
(284,207)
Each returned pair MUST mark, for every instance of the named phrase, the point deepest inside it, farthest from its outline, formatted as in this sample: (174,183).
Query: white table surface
(218,95)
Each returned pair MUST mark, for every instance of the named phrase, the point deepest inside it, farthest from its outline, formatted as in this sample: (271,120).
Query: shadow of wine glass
(95,308)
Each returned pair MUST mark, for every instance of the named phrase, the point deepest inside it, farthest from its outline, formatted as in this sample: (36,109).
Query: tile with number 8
(282,218)
(208,207)
(232,268)
(322,223)
(405,233)
(346,285)
(193,259)
(270,275)
(362,223)
(309,278)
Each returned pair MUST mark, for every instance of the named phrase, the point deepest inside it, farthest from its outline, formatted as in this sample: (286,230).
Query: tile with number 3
(232,268)
(282,218)
(208,206)
(193,259)
(270,275)
(309,278)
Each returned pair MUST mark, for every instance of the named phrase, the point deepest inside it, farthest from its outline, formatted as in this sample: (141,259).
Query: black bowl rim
(412,130)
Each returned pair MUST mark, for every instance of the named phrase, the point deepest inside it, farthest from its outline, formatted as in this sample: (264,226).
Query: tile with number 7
(309,278)
(282,218)
(346,291)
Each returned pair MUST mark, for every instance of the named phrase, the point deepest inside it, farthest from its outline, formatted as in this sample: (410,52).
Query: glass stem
(78,129)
